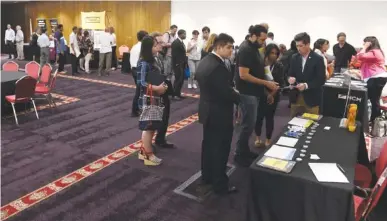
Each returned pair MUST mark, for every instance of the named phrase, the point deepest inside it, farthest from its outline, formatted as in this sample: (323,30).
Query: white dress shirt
(9,35)
(106,43)
(114,39)
(135,54)
(74,41)
(19,36)
(43,41)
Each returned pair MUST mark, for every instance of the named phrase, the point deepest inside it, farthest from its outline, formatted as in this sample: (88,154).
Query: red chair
(10,66)
(25,89)
(45,90)
(46,75)
(364,205)
(33,69)
(363,176)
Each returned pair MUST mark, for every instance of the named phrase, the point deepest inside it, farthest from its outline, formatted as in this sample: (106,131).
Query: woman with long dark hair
(373,72)
(145,67)
(321,46)
(268,104)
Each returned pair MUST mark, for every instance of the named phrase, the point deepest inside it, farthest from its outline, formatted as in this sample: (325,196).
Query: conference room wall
(126,17)
(320,19)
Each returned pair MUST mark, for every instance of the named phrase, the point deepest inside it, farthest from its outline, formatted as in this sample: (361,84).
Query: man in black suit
(307,73)
(216,107)
(179,62)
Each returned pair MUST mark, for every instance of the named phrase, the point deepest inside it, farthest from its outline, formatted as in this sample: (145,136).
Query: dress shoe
(165,145)
(229,190)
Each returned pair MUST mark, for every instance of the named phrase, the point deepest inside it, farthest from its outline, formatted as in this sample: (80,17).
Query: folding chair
(10,66)
(45,90)
(33,69)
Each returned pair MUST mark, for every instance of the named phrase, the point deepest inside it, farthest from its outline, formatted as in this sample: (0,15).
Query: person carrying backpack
(168,38)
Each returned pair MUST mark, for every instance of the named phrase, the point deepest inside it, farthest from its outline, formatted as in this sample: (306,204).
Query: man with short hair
(216,107)
(270,39)
(9,40)
(179,63)
(307,74)
(168,39)
(250,83)
(206,34)
(60,48)
(105,52)
(44,44)
(160,139)
(343,52)
(19,43)
(74,51)
(134,56)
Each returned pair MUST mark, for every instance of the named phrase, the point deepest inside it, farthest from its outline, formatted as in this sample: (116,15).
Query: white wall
(319,19)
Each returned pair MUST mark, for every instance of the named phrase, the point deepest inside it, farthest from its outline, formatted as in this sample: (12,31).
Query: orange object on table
(351,117)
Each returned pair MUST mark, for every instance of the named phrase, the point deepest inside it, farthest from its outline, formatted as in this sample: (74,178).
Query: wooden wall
(127,17)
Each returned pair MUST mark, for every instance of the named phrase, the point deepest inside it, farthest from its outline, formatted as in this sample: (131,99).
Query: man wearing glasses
(160,140)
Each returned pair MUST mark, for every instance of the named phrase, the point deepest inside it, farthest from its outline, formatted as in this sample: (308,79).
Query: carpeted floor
(78,133)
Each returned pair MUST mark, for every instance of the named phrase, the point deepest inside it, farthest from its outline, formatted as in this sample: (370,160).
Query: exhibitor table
(278,196)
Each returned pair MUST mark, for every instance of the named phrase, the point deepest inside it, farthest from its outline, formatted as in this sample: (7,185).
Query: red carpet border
(68,180)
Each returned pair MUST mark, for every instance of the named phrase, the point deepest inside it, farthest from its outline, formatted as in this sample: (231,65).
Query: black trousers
(162,131)
(11,48)
(266,111)
(135,107)
(114,57)
(62,61)
(74,64)
(216,147)
(179,78)
(375,87)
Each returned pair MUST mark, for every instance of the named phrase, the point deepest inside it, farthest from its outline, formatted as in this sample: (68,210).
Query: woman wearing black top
(34,45)
(268,104)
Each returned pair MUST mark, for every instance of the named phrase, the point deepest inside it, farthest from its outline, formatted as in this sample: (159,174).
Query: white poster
(96,36)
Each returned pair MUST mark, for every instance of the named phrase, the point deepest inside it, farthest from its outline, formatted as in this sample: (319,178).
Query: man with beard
(250,83)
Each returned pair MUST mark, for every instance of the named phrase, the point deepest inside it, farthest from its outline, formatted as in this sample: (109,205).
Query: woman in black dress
(34,47)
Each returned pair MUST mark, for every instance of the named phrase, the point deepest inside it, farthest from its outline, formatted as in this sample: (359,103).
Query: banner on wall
(54,24)
(41,22)
(93,20)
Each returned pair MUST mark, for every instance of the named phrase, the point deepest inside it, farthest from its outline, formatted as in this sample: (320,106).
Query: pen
(338,165)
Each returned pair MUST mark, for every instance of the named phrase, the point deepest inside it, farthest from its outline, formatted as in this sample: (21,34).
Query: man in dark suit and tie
(179,62)
(216,108)
(307,73)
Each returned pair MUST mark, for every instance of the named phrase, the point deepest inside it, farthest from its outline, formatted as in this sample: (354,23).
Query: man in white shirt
(134,56)
(44,44)
(105,52)
(74,50)
(19,43)
(9,41)
(270,39)
(114,48)
(168,39)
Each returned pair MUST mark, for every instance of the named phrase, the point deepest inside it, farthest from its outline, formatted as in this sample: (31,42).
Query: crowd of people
(245,81)
(251,77)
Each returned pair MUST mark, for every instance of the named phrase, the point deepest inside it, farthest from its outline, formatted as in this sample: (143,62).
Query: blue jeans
(249,107)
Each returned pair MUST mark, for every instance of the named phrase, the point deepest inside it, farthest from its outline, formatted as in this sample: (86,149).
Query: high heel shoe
(149,158)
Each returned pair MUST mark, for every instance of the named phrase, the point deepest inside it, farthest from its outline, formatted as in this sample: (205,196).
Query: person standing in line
(134,56)
(250,83)
(105,52)
(34,45)
(114,48)
(19,43)
(169,38)
(179,63)
(160,139)
(268,104)
(307,74)
(194,51)
(60,48)
(343,52)
(74,51)
(9,40)
(146,66)
(87,50)
(216,107)
(44,44)
(205,35)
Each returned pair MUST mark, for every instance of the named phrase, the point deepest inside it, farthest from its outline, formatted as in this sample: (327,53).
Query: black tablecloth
(334,99)
(298,196)
(8,80)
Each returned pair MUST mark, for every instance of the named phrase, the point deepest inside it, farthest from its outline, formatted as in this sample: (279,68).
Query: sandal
(258,143)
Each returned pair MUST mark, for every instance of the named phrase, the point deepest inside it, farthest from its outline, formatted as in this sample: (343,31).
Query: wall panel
(127,17)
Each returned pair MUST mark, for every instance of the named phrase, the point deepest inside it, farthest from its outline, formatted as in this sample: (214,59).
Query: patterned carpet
(89,139)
